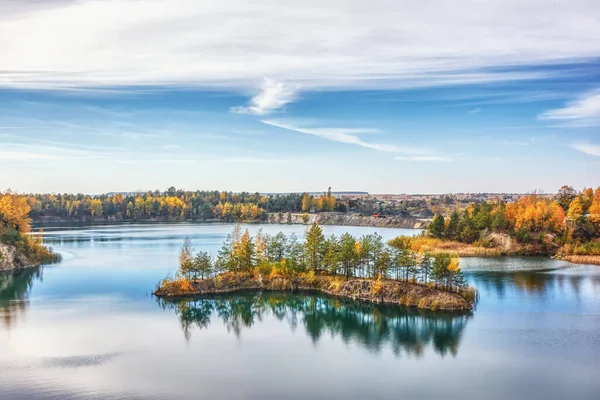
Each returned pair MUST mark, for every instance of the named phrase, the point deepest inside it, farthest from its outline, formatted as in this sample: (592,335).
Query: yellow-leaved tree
(575,209)
(15,211)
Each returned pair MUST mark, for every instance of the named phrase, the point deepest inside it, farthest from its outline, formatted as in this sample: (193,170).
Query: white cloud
(584,111)
(591,149)
(273,96)
(337,44)
(475,111)
(347,136)
(425,158)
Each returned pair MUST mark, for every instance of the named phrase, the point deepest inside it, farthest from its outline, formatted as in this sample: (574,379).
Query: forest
(14,232)
(178,205)
(567,223)
(344,256)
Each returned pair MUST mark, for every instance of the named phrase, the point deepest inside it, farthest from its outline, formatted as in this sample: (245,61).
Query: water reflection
(373,327)
(533,283)
(14,289)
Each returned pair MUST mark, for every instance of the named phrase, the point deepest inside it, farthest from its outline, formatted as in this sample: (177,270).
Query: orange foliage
(535,214)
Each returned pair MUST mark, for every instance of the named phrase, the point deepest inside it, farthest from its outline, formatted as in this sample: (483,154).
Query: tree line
(347,256)
(177,204)
(570,216)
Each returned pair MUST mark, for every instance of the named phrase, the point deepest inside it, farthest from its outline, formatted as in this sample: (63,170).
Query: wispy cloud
(425,158)
(475,111)
(104,44)
(273,96)
(591,149)
(583,111)
(347,136)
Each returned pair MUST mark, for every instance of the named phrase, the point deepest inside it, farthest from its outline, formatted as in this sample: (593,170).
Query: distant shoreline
(341,219)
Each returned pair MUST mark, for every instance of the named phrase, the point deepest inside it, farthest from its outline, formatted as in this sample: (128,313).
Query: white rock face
(9,258)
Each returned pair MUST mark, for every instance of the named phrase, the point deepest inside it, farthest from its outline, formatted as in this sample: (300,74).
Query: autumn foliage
(15,228)
(567,223)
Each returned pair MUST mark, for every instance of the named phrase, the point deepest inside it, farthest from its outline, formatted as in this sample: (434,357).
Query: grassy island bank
(369,290)
(362,269)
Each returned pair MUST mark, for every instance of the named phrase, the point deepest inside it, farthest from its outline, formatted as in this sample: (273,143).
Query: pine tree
(314,246)
(436,228)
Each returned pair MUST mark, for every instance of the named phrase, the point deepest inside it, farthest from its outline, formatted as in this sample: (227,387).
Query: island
(364,269)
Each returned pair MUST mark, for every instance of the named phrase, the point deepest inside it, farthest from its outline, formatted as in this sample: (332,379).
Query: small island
(364,269)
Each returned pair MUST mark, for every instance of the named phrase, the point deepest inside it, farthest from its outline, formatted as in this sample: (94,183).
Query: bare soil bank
(348,219)
(374,291)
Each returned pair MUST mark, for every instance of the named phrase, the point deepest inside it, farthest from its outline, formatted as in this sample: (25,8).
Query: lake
(89,328)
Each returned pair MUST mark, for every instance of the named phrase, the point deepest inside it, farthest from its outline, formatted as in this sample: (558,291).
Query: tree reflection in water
(14,289)
(372,327)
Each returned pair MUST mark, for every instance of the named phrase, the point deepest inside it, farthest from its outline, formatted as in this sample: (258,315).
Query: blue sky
(389,97)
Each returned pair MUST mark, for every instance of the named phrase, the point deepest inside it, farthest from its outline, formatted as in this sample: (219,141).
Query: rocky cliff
(10,258)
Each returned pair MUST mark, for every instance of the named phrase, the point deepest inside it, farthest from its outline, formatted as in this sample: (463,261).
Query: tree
(96,207)
(244,253)
(294,254)
(440,273)
(425,266)
(306,202)
(331,254)
(185,258)
(347,255)
(276,248)
(436,228)
(595,209)
(565,195)
(575,209)
(15,211)
(202,265)
(452,230)
(314,246)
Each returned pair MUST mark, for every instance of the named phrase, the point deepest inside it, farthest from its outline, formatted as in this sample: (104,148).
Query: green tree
(436,228)
(347,254)
(202,265)
(565,195)
(314,246)
(453,228)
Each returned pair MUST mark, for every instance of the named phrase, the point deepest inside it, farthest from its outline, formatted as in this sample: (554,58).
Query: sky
(384,96)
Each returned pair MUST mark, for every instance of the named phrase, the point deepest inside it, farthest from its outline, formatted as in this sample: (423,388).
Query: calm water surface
(88,328)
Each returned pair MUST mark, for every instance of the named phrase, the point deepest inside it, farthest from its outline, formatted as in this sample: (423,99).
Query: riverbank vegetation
(565,225)
(364,268)
(18,248)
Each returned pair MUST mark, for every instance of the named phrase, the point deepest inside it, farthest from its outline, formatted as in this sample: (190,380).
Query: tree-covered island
(365,269)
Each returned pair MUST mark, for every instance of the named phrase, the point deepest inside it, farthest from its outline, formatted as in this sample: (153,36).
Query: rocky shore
(369,290)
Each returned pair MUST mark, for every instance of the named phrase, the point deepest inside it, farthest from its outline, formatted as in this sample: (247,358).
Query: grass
(436,246)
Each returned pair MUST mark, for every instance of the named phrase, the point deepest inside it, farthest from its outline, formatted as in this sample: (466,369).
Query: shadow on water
(14,290)
(372,327)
